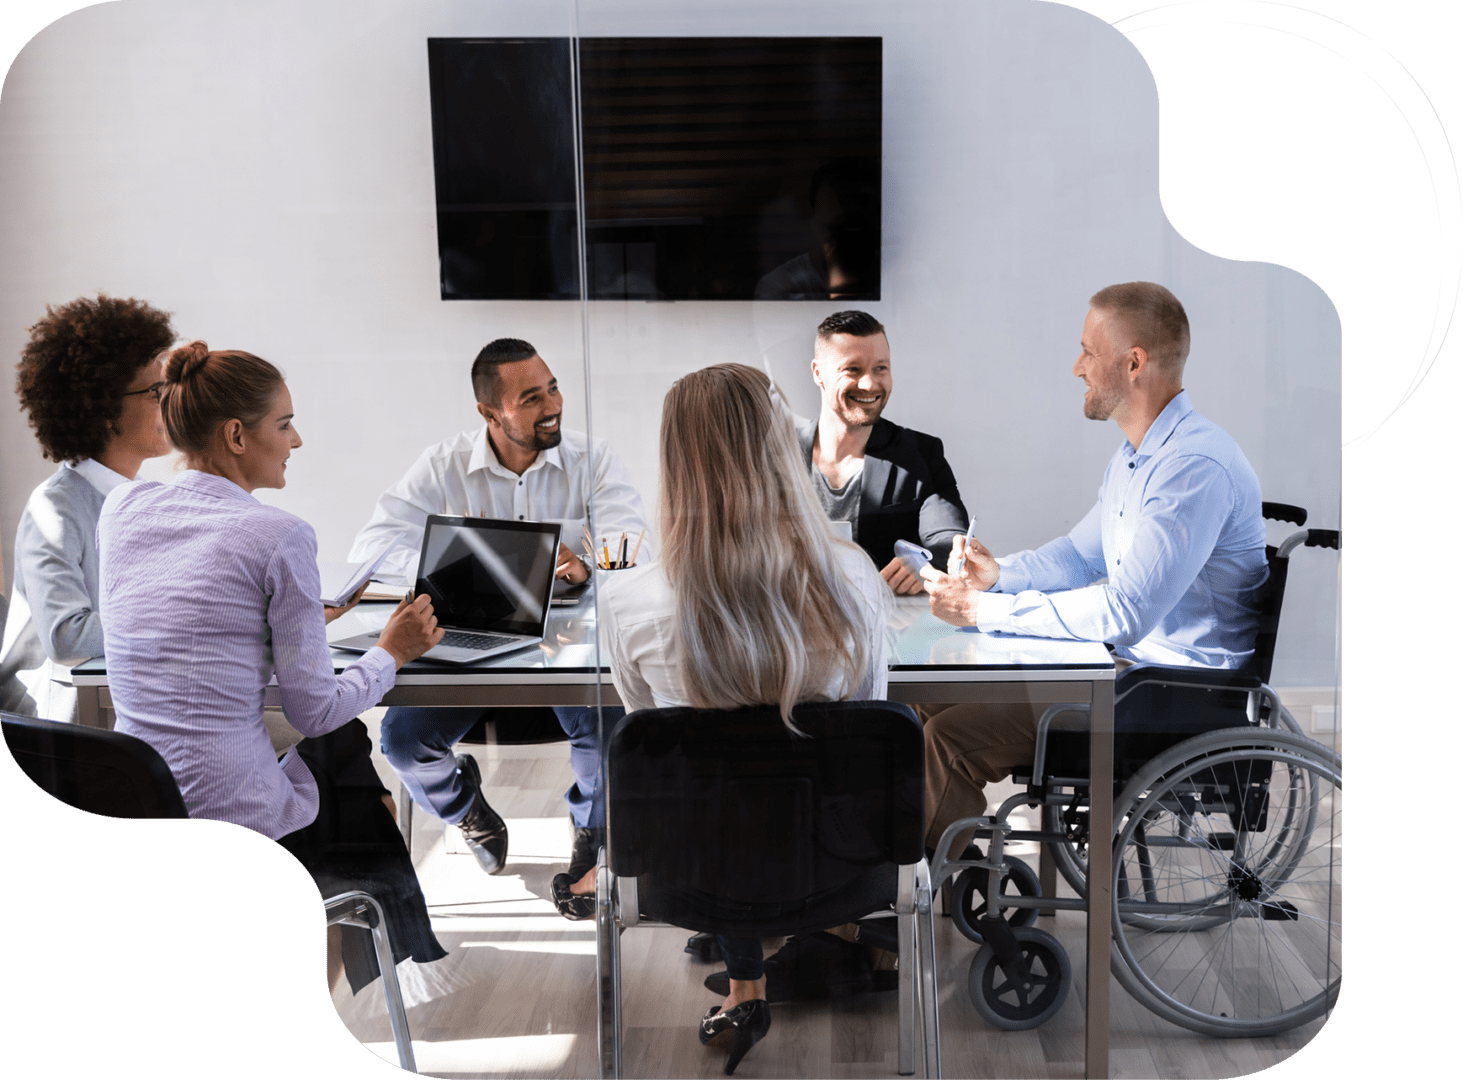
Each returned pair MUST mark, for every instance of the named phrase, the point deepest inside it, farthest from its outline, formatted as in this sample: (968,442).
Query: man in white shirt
(1164,568)
(519,466)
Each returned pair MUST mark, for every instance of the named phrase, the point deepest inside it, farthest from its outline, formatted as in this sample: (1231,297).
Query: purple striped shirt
(206,593)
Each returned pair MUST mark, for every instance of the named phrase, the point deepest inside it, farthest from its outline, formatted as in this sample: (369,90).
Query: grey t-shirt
(840,505)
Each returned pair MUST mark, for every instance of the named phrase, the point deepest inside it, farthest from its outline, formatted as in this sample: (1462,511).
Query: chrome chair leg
(607,964)
(929,986)
(908,989)
(361,909)
(403,816)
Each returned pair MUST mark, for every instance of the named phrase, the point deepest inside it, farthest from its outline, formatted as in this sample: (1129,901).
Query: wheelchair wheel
(1070,855)
(1017,1006)
(1227,883)
(968,903)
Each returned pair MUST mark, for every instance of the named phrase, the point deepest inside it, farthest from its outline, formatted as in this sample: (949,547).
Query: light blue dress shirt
(1179,535)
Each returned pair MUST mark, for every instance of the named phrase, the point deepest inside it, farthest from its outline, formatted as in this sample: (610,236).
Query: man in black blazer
(889,482)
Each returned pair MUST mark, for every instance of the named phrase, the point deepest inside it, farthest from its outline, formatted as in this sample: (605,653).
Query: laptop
(490,582)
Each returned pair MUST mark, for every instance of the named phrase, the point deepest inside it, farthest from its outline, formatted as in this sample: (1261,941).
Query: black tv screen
(714,168)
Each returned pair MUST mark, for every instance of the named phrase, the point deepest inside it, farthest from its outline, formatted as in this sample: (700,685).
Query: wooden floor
(515,995)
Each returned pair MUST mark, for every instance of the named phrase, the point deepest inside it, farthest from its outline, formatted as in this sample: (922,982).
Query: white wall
(264,171)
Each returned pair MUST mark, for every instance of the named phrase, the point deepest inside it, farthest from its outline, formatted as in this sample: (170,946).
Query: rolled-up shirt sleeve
(1181,519)
(315,699)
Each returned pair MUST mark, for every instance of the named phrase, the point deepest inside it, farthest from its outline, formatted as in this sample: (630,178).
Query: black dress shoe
(748,1022)
(705,947)
(485,832)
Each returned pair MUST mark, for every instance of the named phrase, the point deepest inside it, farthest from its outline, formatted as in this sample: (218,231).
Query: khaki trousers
(967,747)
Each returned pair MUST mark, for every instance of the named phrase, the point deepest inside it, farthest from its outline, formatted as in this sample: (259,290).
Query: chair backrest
(103,772)
(734,805)
(1272,593)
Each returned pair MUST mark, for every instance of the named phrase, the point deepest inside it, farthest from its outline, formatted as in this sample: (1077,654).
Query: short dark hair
(1155,319)
(487,384)
(79,361)
(853,323)
(207,389)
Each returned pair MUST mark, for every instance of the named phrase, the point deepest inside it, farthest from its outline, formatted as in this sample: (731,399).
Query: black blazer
(909,492)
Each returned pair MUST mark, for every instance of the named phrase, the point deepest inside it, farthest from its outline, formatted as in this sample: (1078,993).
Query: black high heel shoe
(570,905)
(582,859)
(749,1022)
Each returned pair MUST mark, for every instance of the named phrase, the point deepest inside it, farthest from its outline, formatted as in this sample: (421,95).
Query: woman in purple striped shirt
(206,593)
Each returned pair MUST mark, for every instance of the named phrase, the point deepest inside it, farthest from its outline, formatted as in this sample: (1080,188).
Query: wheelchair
(1226,849)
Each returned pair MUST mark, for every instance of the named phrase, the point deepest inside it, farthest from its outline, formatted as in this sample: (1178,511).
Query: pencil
(624,548)
(637,547)
(587,538)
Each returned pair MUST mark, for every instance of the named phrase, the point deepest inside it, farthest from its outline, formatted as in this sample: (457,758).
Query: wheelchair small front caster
(968,902)
(1013,1002)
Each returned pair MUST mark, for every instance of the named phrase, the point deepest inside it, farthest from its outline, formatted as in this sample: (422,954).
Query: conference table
(930,662)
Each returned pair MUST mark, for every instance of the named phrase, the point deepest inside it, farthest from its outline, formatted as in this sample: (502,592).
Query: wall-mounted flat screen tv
(714,168)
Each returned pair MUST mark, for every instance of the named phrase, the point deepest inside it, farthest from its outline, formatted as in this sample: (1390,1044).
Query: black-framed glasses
(156,390)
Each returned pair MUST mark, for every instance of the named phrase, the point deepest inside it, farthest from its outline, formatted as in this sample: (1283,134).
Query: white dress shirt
(1179,535)
(637,618)
(463,476)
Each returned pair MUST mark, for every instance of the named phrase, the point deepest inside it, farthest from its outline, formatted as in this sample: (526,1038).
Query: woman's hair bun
(186,361)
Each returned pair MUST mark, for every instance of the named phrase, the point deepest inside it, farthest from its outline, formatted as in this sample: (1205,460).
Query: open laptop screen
(488,577)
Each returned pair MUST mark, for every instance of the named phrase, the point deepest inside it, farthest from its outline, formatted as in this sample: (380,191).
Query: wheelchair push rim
(1237,936)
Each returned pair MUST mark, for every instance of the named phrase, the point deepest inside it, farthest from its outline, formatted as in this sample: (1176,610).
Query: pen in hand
(969,536)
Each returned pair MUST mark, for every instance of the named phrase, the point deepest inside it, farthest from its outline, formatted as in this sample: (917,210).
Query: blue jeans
(418,742)
(743,956)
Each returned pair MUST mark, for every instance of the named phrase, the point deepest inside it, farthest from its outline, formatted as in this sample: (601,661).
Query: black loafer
(485,832)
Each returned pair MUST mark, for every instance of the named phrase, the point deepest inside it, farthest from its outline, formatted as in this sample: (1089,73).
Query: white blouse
(637,616)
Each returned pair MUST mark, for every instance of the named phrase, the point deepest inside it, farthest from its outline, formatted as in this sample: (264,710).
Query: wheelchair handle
(1295,515)
(1326,538)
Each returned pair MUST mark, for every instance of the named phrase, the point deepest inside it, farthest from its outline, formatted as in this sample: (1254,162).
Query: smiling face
(853,373)
(529,407)
(267,444)
(1100,366)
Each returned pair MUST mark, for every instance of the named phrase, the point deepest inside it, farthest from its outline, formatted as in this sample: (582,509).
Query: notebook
(490,582)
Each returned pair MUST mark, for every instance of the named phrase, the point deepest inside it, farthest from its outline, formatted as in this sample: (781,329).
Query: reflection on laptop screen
(476,577)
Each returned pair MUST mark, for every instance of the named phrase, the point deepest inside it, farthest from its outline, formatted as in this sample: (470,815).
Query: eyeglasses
(156,390)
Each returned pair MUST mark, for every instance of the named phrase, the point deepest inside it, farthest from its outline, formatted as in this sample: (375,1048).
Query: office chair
(1217,800)
(733,805)
(102,772)
(118,775)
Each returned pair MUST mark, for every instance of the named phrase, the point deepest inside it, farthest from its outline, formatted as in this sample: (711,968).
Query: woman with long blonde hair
(754,601)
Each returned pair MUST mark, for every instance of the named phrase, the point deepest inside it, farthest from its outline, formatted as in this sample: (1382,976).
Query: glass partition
(635,191)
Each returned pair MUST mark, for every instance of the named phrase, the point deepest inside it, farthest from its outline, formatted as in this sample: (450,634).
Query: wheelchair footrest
(1279,911)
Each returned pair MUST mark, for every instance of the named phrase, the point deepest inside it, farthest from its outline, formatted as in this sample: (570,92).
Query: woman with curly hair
(90,377)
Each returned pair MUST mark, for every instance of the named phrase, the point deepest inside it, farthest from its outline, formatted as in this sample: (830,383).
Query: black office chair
(117,775)
(102,772)
(733,805)
(1217,796)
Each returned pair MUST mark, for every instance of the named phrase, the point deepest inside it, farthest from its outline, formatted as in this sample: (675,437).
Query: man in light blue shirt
(1177,533)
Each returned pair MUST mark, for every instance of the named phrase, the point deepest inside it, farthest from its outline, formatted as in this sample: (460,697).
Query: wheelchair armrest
(1195,677)
(1080,719)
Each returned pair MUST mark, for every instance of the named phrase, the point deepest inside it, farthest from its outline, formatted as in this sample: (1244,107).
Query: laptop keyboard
(461,639)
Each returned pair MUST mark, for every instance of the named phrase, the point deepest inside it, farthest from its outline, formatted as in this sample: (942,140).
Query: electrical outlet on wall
(1323,717)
